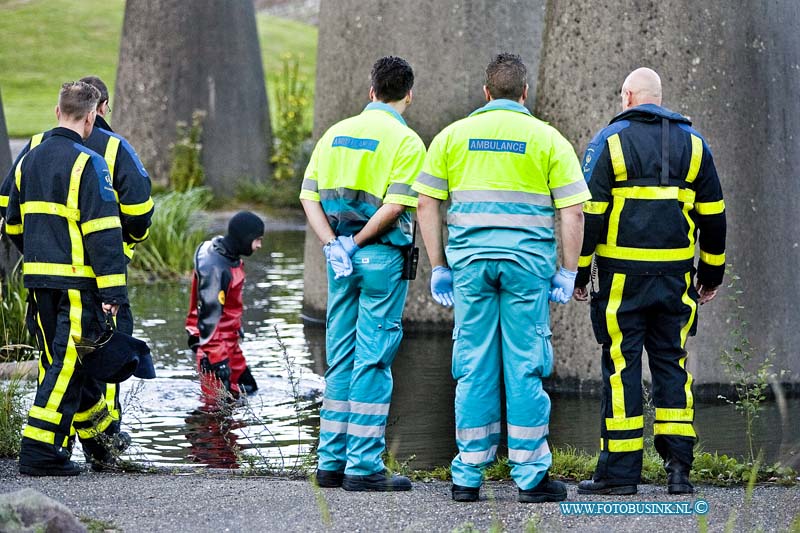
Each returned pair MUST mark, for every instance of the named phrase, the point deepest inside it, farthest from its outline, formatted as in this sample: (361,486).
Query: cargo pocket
(386,342)
(545,355)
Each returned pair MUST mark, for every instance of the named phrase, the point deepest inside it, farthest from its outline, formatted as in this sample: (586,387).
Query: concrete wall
(449,44)
(736,73)
(175,60)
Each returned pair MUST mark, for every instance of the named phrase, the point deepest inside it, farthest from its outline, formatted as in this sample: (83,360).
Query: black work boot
(329,479)
(547,490)
(465,494)
(39,459)
(247,383)
(378,482)
(678,477)
(599,486)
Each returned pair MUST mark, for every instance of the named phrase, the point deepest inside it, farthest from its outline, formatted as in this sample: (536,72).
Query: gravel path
(201,501)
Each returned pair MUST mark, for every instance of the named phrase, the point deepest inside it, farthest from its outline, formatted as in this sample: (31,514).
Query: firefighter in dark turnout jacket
(132,188)
(214,323)
(654,186)
(63,216)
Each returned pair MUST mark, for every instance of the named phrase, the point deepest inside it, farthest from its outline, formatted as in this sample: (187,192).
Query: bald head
(642,86)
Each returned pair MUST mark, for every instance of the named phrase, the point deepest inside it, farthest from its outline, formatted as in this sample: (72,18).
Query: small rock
(27,510)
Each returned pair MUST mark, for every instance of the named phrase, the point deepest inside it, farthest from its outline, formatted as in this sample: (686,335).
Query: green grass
(44,43)
(12,415)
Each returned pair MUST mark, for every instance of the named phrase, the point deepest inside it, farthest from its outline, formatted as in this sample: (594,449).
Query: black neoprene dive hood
(243,229)
(116,356)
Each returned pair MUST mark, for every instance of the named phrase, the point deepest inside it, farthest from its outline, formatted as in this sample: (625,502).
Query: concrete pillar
(736,73)
(448,43)
(175,60)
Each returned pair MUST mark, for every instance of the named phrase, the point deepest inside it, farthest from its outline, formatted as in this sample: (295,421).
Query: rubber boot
(547,490)
(678,477)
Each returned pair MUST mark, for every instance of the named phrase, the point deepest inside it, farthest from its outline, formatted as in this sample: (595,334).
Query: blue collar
(381,106)
(502,103)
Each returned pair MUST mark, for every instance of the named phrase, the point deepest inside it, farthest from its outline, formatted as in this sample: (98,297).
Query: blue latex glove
(338,259)
(442,286)
(563,285)
(349,244)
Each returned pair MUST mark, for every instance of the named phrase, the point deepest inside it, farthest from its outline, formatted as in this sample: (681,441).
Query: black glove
(241,333)
(193,341)
(221,370)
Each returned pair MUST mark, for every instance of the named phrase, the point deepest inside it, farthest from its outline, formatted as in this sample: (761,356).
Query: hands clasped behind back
(338,258)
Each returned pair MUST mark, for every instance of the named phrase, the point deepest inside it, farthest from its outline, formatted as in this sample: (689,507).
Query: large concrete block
(736,73)
(449,44)
(175,60)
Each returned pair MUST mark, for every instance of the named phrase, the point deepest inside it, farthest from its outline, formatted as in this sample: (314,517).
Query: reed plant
(176,231)
(12,414)
(16,342)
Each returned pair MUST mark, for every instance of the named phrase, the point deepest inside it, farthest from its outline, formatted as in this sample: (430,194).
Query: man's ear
(409,97)
(372,94)
(58,113)
(525,92)
(486,93)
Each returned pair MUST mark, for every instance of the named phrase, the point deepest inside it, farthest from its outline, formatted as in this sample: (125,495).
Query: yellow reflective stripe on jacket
(673,428)
(110,154)
(697,159)
(645,254)
(57,269)
(3,200)
(654,193)
(617,158)
(128,248)
(111,280)
(595,208)
(75,236)
(18,172)
(92,412)
(136,209)
(625,424)
(712,259)
(674,415)
(14,229)
(585,260)
(100,224)
(710,208)
(49,208)
(36,140)
(613,221)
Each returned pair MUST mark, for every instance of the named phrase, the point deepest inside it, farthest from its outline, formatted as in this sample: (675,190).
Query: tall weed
(174,235)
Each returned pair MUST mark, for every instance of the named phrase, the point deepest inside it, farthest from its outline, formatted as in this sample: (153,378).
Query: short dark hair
(77,99)
(506,76)
(98,84)
(392,78)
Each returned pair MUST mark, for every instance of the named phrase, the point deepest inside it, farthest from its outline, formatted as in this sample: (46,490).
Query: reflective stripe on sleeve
(100,224)
(712,259)
(137,209)
(710,208)
(111,280)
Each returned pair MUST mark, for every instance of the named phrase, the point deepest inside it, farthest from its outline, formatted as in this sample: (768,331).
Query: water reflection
(169,426)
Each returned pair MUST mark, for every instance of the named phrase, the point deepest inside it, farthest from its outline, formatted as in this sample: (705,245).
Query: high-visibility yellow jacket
(63,216)
(654,185)
(362,163)
(505,173)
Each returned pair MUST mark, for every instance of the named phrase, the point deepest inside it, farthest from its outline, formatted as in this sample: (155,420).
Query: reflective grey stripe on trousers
(502,197)
(500,220)
(478,433)
(476,458)
(528,432)
(528,456)
(362,408)
(359,430)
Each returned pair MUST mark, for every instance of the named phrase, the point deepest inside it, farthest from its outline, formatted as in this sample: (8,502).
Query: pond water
(171,426)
